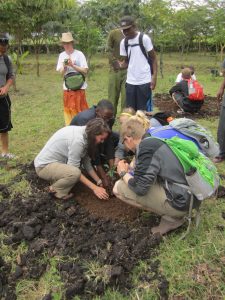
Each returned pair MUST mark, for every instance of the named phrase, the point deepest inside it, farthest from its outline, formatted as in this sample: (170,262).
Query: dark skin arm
(220,92)
(152,54)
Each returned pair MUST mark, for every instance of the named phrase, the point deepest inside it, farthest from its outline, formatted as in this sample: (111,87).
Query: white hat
(67,37)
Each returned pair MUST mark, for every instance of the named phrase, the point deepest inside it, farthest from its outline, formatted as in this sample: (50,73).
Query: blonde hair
(132,128)
(128,111)
(142,119)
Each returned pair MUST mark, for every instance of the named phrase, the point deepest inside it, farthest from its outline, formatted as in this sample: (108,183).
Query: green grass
(195,267)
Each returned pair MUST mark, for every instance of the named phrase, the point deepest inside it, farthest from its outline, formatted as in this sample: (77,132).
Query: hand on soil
(101,193)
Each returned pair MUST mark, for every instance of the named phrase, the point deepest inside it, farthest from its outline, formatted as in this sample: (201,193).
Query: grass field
(194,267)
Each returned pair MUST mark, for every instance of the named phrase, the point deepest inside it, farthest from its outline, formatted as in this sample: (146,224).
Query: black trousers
(138,96)
(5,114)
(221,130)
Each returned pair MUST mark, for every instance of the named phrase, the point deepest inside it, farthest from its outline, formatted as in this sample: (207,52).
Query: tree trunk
(37,59)
(222,46)
(161,61)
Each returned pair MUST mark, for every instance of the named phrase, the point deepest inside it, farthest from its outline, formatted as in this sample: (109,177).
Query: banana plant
(18,60)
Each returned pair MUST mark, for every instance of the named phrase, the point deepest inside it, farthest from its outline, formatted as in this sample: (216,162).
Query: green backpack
(74,81)
(200,172)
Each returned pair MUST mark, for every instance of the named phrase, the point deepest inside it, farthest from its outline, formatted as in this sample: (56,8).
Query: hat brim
(125,27)
(67,41)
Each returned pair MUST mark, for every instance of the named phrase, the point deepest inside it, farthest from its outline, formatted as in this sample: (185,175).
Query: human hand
(153,83)
(70,63)
(4,90)
(101,193)
(123,64)
(122,166)
(116,65)
(219,95)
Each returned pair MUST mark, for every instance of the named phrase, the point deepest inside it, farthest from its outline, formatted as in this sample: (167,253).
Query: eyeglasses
(4,41)
(124,139)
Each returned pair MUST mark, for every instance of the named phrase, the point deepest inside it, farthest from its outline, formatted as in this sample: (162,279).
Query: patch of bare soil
(165,103)
(81,230)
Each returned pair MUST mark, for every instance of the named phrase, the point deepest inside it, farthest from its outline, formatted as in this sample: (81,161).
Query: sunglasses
(124,140)
(4,41)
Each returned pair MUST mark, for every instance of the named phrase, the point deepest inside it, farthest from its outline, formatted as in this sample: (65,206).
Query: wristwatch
(122,174)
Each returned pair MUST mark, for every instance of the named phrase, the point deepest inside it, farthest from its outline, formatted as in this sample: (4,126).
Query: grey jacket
(155,162)
(68,146)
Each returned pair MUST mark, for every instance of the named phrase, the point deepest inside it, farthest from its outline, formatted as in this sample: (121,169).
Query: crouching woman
(158,176)
(70,148)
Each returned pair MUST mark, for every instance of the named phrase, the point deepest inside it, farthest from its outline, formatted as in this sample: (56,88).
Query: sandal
(8,156)
(52,193)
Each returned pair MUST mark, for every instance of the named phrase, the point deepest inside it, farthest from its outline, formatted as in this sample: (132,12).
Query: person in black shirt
(180,94)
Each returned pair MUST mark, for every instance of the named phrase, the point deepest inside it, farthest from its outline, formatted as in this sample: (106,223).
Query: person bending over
(64,154)
(157,182)
(106,150)
(181,94)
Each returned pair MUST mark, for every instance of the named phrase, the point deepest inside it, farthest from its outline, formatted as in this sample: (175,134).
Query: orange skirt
(74,102)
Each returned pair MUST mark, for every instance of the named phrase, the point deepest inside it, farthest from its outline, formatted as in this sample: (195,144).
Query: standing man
(117,73)
(140,57)
(72,61)
(6,80)
(221,128)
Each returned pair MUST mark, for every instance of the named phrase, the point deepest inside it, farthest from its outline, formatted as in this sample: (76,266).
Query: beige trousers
(62,177)
(155,200)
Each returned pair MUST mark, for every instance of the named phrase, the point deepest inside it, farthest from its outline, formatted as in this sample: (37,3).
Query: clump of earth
(99,242)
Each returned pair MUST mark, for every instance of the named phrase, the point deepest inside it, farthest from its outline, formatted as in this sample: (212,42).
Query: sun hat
(126,22)
(67,37)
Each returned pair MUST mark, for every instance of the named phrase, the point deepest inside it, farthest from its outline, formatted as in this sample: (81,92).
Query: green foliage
(18,60)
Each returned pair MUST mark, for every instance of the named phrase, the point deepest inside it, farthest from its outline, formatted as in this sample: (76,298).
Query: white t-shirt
(138,71)
(179,77)
(77,58)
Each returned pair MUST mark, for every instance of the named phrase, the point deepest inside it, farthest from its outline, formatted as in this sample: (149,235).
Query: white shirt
(138,71)
(77,58)
(68,146)
(179,77)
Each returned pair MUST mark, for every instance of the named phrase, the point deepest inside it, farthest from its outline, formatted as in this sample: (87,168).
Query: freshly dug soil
(84,232)
(165,103)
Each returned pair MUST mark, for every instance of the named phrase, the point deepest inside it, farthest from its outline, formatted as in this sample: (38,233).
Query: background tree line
(180,25)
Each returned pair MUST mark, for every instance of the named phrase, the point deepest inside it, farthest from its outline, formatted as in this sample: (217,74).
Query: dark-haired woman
(61,158)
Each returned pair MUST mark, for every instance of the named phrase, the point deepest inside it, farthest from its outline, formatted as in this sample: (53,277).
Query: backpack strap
(7,63)
(149,60)
(126,48)
(141,45)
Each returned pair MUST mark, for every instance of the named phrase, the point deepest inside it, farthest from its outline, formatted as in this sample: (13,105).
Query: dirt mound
(165,103)
(99,246)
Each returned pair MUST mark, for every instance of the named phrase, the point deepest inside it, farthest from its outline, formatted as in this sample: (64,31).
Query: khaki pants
(116,88)
(155,200)
(62,176)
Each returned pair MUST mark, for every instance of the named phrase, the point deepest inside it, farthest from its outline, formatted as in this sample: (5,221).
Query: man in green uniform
(117,73)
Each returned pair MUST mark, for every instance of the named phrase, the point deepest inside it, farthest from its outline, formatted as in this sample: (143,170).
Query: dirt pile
(98,247)
(165,103)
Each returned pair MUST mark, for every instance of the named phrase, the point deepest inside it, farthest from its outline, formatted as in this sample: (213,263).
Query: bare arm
(153,57)
(4,89)
(221,91)
(82,70)
(100,192)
